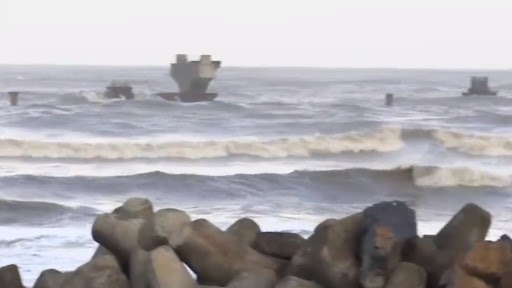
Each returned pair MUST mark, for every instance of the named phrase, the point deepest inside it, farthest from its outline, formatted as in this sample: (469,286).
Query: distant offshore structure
(480,87)
(119,89)
(389,99)
(13,97)
(193,79)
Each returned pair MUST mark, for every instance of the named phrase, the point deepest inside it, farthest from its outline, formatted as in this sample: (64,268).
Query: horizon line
(267,67)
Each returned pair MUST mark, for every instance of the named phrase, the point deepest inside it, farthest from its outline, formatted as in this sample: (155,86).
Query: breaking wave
(329,186)
(383,140)
(425,176)
(405,178)
(477,144)
(36,212)
(458,176)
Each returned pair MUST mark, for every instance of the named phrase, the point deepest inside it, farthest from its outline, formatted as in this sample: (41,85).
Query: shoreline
(245,256)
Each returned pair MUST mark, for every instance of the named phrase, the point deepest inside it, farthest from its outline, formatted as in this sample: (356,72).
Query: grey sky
(326,33)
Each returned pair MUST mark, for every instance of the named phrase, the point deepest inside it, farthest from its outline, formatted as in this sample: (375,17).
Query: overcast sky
(324,33)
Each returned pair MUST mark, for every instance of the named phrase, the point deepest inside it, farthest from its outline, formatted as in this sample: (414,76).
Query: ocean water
(287,147)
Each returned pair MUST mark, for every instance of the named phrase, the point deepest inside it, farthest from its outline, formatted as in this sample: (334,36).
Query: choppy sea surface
(288,147)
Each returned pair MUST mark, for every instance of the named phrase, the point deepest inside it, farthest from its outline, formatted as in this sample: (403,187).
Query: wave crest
(457,176)
(477,144)
(37,212)
(383,140)
(403,175)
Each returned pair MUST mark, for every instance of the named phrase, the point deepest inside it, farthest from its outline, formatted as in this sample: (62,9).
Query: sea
(288,147)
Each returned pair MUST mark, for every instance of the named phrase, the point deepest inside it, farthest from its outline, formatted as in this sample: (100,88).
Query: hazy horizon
(398,34)
(166,66)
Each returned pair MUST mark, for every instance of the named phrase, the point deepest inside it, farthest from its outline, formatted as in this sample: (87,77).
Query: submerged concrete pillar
(119,89)
(389,99)
(13,97)
(479,86)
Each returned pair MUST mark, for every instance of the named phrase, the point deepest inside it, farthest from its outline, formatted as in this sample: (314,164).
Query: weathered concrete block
(10,277)
(117,235)
(244,230)
(101,272)
(461,279)
(278,244)
(165,270)
(329,256)
(294,282)
(407,275)
(506,279)
(425,253)
(51,278)
(135,208)
(139,261)
(140,210)
(254,279)
(166,228)
(387,227)
(488,260)
(215,257)
(468,227)
(505,239)
(101,251)
(326,222)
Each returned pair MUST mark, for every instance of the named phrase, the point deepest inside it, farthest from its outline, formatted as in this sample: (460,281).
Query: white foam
(458,176)
(383,140)
(94,97)
(478,144)
(62,248)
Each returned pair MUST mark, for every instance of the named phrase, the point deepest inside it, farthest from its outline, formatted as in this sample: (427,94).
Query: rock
(254,279)
(506,279)
(101,272)
(488,260)
(135,208)
(101,251)
(429,236)
(166,228)
(425,253)
(329,256)
(461,279)
(407,275)
(10,277)
(466,228)
(278,244)
(387,228)
(215,257)
(244,230)
(506,240)
(51,278)
(326,222)
(139,261)
(119,236)
(294,282)
(165,270)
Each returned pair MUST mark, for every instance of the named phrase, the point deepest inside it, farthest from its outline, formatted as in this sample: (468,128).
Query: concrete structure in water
(118,90)
(13,97)
(479,86)
(389,99)
(193,79)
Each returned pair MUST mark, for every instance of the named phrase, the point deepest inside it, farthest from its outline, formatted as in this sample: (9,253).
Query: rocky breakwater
(376,248)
